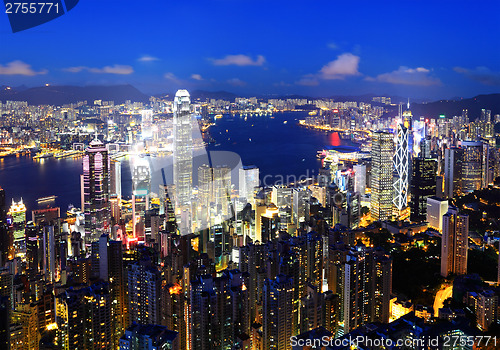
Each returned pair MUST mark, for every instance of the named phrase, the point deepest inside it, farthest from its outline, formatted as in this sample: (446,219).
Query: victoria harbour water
(276,144)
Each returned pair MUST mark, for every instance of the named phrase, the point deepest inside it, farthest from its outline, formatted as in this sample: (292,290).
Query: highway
(441,296)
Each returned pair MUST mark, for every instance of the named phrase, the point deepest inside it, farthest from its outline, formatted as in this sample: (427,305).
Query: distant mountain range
(454,107)
(59,95)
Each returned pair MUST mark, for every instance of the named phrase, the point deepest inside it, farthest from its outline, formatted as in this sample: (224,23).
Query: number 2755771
(31,7)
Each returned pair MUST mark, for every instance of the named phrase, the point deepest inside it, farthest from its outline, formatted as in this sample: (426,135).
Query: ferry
(46,199)
(65,154)
(218,116)
(43,155)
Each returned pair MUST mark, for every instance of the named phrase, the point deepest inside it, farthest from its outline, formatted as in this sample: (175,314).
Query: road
(441,296)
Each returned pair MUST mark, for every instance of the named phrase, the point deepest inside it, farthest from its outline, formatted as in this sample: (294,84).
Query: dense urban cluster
(205,255)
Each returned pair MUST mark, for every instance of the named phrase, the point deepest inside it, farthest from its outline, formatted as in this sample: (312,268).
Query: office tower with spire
(454,243)
(183,159)
(401,162)
(96,205)
(382,175)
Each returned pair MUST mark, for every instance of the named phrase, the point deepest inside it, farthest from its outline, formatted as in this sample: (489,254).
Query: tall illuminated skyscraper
(473,166)
(96,190)
(454,243)
(401,162)
(183,157)
(382,175)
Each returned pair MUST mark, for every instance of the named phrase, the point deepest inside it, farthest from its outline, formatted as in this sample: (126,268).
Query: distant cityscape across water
(276,144)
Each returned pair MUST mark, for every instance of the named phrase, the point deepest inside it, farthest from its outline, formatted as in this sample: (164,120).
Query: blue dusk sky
(421,49)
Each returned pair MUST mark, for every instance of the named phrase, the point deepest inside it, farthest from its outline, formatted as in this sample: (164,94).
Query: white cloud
(419,76)
(147,58)
(196,77)
(19,68)
(114,69)
(239,60)
(345,65)
(236,82)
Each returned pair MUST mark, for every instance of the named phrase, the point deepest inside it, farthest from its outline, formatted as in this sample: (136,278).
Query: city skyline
(235,174)
(318,49)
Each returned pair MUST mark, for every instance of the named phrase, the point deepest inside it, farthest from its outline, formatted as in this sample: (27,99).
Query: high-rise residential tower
(454,243)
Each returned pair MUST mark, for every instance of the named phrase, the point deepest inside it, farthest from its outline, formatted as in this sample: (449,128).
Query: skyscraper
(219,310)
(454,243)
(84,318)
(249,179)
(115,178)
(96,190)
(401,162)
(453,159)
(141,178)
(144,283)
(278,305)
(360,178)
(423,186)
(364,282)
(382,175)
(473,166)
(18,213)
(222,189)
(183,159)
(146,124)
(436,208)
(183,144)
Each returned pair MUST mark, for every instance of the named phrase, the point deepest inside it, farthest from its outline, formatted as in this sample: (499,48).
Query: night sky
(422,49)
